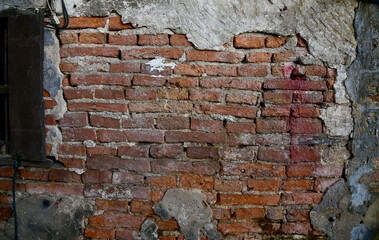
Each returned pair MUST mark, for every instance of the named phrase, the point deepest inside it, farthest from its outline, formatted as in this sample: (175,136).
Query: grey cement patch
(327,26)
(190,210)
(149,230)
(46,217)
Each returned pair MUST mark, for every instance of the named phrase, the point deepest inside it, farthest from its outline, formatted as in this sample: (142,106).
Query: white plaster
(338,120)
(159,64)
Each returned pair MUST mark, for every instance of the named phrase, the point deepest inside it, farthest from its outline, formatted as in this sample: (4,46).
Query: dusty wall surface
(213,119)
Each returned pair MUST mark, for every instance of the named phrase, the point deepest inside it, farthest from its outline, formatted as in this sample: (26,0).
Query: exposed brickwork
(224,122)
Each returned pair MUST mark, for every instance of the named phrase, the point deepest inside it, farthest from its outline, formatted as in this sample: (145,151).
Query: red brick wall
(231,123)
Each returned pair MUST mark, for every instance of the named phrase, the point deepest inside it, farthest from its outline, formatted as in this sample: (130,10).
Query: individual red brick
(247,112)
(101,79)
(278,97)
(243,84)
(89,51)
(115,220)
(78,134)
(202,152)
(215,70)
(169,107)
(72,162)
(237,199)
(140,94)
(54,188)
(143,53)
(198,137)
(74,120)
(305,126)
(294,84)
(252,71)
(308,97)
(86,22)
(191,181)
(109,94)
(169,225)
(173,123)
(70,94)
(315,70)
(97,107)
(183,82)
(241,98)
(142,80)
(272,126)
(272,154)
(99,233)
(153,40)
(297,185)
(206,125)
(305,154)
(161,182)
(274,213)
(39,175)
(253,169)
(208,96)
(322,184)
(249,213)
(305,112)
(145,122)
(68,67)
(287,56)
(106,135)
(242,139)
(129,67)
(179,40)
(101,150)
(257,57)
(152,70)
(239,154)
(301,198)
(141,208)
(294,215)
(109,162)
(111,205)
(71,149)
(69,38)
(144,136)
(91,176)
(239,227)
(296,228)
(329,96)
(318,170)
(106,122)
(115,23)
(213,56)
(133,151)
(273,139)
(222,185)
(249,42)
(126,177)
(166,151)
(61,175)
(49,104)
(173,94)
(274,42)
(221,213)
(276,112)
(189,69)
(263,185)
(124,40)
(174,166)
(93,38)
(240,128)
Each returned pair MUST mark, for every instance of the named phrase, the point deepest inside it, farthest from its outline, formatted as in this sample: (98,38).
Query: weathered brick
(202,152)
(273,154)
(221,213)
(54,188)
(129,67)
(305,126)
(106,122)
(173,94)
(179,40)
(39,175)
(206,125)
(161,182)
(287,56)
(329,96)
(322,184)
(157,107)
(240,128)
(106,135)
(263,185)
(272,126)
(274,213)
(109,94)
(239,154)
(247,112)
(276,111)
(70,94)
(115,23)
(305,154)
(202,95)
(189,69)
(315,70)
(101,150)
(274,42)
(294,85)
(115,220)
(111,162)
(152,70)
(126,177)
(111,205)
(294,215)
(97,107)
(140,94)
(144,136)
(142,80)
(68,67)
(72,162)
(101,79)
(93,38)
(145,122)
(216,70)
(249,42)
(222,185)
(244,84)
(239,227)
(112,52)
(191,181)
(308,97)
(174,166)
(99,233)
(49,104)
(241,98)
(253,169)
(278,97)
(296,228)
(247,199)
(256,57)
(173,123)
(305,112)
(213,56)
(149,53)
(166,151)
(301,198)
(68,38)
(78,134)
(317,170)
(86,22)
(297,185)
(125,40)
(91,176)
(74,120)
(141,208)
(249,213)
(252,71)
(133,151)
(183,82)
(154,40)
(71,149)
(197,137)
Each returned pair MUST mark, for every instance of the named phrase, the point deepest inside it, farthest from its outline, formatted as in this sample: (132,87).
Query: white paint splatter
(159,64)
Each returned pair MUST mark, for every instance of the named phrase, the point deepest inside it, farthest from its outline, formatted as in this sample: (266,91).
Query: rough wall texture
(240,142)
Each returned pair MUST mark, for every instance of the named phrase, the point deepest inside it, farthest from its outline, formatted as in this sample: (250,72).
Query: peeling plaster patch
(334,154)
(50,217)
(327,26)
(159,64)
(338,120)
(191,211)
(60,109)
(361,233)
(54,137)
(360,191)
